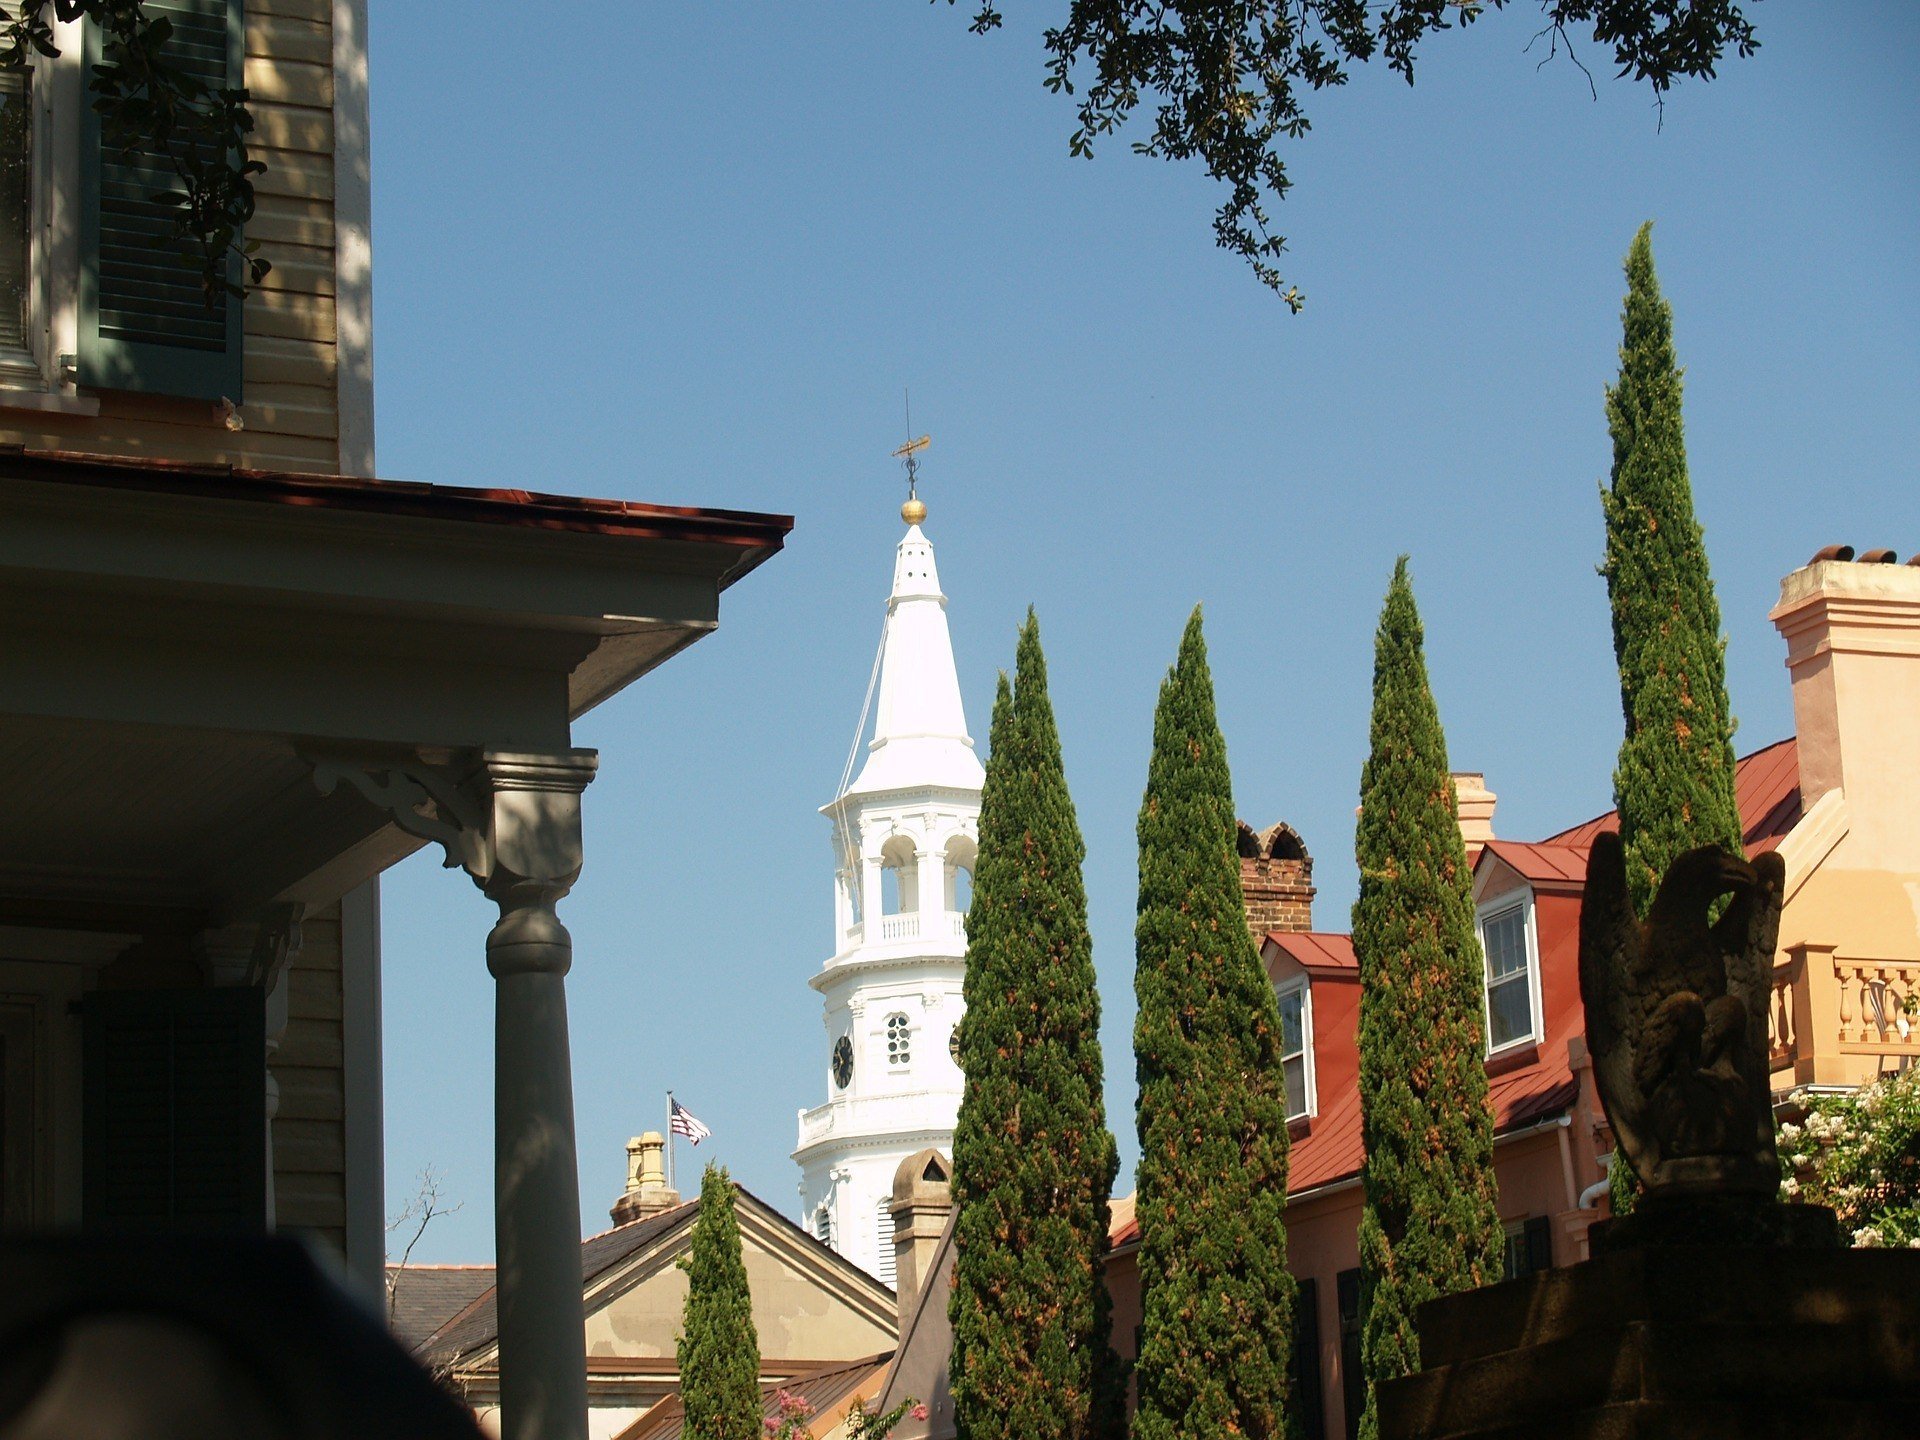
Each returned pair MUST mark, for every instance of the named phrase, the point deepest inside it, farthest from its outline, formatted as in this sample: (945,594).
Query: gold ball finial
(914,511)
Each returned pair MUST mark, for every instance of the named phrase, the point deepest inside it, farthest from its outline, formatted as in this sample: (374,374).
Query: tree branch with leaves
(1227,78)
(153,107)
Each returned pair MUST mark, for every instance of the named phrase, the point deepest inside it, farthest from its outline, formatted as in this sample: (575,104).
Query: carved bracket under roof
(433,802)
(511,821)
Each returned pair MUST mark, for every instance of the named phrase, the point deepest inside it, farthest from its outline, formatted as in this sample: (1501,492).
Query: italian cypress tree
(1216,1330)
(1428,1226)
(1674,783)
(719,1352)
(1033,1160)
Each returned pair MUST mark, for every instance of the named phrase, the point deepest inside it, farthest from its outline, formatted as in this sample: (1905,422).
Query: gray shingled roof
(479,1323)
(424,1298)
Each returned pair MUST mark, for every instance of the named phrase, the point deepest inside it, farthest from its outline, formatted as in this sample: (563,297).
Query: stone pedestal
(1673,1341)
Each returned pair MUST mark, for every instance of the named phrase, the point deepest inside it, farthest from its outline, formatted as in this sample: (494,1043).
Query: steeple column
(932,890)
(870,895)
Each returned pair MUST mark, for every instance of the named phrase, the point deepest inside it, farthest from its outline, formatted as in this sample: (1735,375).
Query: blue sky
(696,254)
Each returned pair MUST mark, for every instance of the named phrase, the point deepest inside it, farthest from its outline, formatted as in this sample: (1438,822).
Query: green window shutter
(144,319)
(1306,1361)
(174,1109)
(1539,1242)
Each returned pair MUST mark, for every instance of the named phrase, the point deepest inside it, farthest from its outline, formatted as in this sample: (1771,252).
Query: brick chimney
(647,1192)
(1476,804)
(1276,879)
(1852,629)
(922,1203)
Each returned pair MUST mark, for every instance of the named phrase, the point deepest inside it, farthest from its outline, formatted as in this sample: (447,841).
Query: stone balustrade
(1838,1019)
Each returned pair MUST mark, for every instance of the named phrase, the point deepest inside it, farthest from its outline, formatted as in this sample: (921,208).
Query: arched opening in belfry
(899,877)
(958,866)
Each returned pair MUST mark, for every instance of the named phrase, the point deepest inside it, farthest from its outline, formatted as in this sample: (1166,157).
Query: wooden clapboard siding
(309,1138)
(291,403)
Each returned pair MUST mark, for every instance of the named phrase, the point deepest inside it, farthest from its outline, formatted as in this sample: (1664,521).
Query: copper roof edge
(521,508)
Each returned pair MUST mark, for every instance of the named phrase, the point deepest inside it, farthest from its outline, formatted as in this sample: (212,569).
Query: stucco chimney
(922,1201)
(1853,649)
(1476,804)
(647,1192)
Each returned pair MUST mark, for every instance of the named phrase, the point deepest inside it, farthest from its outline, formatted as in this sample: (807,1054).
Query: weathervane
(915,510)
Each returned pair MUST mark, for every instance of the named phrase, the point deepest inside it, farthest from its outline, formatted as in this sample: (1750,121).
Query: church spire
(920,727)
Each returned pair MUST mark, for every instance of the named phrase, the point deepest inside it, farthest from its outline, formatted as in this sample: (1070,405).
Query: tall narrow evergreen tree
(1033,1159)
(1428,1225)
(1217,1326)
(1674,783)
(719,1352)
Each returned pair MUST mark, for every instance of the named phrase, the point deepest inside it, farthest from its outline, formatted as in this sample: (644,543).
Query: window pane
(16,170)
(1509,1013)
(1296,1069)
(1505,938)
(1293,1004)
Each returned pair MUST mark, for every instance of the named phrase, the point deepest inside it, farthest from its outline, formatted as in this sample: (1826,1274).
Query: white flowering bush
(1860,1154)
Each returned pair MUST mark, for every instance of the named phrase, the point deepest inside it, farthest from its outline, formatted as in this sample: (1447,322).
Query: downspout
(1566,1157)
(1590,1197)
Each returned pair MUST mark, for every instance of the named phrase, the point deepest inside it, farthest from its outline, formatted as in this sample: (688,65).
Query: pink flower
(791,1404)
(918,1412)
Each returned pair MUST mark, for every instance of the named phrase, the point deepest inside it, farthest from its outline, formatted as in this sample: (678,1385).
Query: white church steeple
(920,728)
(904,836)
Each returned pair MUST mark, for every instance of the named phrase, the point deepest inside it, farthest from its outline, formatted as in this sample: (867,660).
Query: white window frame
(1496,908)
(1302,986)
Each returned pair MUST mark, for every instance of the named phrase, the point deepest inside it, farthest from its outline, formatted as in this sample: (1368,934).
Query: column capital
(506,817)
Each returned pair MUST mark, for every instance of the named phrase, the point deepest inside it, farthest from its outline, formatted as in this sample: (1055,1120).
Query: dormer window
(1296,1046)
(1512,971)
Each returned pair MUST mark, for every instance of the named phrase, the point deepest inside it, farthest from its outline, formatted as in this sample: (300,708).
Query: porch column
(534,854)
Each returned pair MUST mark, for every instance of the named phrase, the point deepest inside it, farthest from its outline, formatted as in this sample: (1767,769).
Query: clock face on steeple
(842,1061)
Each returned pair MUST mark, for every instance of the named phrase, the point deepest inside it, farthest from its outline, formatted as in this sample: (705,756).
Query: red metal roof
(1767,785)
(1543,864)
(1316,951)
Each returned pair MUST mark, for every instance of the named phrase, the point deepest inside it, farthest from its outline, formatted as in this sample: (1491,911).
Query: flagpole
(669,1139)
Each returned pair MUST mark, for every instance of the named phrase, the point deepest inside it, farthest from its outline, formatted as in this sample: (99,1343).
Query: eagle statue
(1677,1017)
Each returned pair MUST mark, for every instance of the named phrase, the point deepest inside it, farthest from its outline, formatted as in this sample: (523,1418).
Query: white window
(885,1270)
(899,1041)
(823,1225)
(1296,1046)
(1512,972)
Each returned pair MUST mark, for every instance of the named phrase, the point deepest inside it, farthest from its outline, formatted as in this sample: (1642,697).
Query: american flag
(682,1122)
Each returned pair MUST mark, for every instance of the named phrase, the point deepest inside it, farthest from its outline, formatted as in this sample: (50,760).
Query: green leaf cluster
(1227,79)
(1033,1159)
(1429,1225)
(719,1351)
(152,105)
(1216,1332)
(1674,781)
